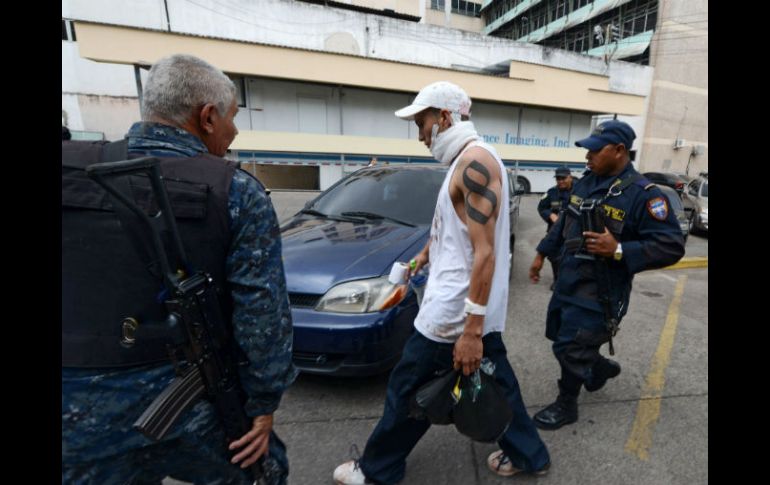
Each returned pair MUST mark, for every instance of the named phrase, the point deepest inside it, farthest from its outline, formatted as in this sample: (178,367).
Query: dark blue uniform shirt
(639,217)
(552,202)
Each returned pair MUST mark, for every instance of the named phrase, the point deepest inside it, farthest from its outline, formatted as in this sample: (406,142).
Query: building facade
(670,36)
(318,85)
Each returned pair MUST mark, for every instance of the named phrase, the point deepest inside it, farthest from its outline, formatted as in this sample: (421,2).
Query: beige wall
(576,91)
(678,104)
(112,115)
(409,7)
(461,22)
(284,176)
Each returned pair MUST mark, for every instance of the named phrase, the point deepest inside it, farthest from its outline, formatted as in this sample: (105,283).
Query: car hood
(320,253)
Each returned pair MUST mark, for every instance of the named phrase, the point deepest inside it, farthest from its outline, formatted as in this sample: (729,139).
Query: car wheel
(524,183)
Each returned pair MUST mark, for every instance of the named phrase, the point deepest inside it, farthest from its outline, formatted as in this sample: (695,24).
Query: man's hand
(420,260)
(255,441)
(602,244)
(469,348)
(554,217)
(534,270)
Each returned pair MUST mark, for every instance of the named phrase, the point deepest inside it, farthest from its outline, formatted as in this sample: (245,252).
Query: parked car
(696,203)
(515,191)
(678,208)
(338,252)
(668,179)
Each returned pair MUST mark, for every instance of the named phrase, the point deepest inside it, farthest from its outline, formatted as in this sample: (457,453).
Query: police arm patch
(658,208)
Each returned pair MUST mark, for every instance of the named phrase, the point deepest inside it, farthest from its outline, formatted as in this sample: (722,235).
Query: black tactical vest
(105,279)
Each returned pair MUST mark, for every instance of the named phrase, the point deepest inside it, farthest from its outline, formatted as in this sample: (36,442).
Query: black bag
(433,400)
(482,412)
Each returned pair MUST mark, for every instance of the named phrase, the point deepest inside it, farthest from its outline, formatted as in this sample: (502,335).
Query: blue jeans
(384,458)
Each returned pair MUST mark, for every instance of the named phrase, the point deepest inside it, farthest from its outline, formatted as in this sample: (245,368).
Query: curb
(693,262)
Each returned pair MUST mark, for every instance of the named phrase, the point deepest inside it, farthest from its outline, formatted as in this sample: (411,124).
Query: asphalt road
(648,426)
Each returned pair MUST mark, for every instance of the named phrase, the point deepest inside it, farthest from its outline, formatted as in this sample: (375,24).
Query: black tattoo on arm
(477,188)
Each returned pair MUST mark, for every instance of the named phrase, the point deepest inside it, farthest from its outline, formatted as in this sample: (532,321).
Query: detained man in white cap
(463,311)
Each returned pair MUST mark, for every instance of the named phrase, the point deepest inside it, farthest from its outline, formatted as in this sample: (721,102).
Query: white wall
(308,26)
(370,113)
(137,13)
(301,25)
(329,175)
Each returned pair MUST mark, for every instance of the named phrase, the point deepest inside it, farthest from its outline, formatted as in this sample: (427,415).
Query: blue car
(338,252)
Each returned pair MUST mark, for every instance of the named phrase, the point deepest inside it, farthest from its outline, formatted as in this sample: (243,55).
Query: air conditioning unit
(678,143)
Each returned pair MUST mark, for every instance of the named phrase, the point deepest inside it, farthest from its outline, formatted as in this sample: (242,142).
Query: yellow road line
(648,410)
(694,262)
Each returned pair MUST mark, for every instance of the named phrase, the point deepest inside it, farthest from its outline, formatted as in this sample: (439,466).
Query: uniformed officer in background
(597,266)
(552,203)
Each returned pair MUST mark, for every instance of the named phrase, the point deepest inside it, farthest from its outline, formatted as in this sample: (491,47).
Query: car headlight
(362,296)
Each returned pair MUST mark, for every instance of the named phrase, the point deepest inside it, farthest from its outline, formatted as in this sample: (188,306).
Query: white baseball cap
(442,95)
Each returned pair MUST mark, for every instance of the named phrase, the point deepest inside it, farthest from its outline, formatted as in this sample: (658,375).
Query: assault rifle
(194,321)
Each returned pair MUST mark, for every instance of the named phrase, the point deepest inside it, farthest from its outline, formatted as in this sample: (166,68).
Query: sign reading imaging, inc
(531,140)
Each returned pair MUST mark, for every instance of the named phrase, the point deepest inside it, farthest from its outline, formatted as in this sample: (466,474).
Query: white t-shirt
(441,317)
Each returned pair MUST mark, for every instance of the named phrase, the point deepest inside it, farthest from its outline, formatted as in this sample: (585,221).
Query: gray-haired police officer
(597,267)
(553,202)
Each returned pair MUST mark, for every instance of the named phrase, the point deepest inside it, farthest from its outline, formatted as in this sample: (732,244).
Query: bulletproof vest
(106,279)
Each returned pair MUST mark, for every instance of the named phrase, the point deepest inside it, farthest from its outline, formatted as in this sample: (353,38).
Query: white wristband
(474,308)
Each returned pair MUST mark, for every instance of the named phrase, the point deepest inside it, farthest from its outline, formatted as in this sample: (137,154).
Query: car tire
(524,183)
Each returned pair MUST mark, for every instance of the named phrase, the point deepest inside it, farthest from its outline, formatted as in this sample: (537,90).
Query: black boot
(603,370)
(563,411)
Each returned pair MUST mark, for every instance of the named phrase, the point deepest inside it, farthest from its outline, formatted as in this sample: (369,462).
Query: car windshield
(407,195)
(705,190)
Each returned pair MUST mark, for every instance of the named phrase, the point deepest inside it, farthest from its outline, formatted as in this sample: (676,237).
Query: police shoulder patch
(658,208)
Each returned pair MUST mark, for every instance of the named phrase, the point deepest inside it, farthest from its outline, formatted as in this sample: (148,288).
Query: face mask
(445,146)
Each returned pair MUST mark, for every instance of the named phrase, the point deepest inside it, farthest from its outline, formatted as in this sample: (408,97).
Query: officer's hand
(602,244)
(554,217)
(255,441)
(420,260)
(534,270)
(467,352)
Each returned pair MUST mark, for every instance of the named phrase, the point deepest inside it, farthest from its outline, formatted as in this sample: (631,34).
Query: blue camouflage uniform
(641,220)
(99,406)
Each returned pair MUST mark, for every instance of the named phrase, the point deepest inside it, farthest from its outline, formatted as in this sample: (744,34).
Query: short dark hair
(65,133)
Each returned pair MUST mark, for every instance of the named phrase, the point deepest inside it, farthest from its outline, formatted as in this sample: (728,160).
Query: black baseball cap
(563,171)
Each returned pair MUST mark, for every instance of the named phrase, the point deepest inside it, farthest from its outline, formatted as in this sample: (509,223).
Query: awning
(628,47)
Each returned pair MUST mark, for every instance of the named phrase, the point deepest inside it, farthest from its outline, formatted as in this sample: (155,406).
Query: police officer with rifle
(616,225)
(176,330)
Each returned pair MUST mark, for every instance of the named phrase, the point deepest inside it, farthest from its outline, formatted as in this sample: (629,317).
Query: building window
(437,4)
(67,30)
(466,8)
(576,4)
(240,90)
